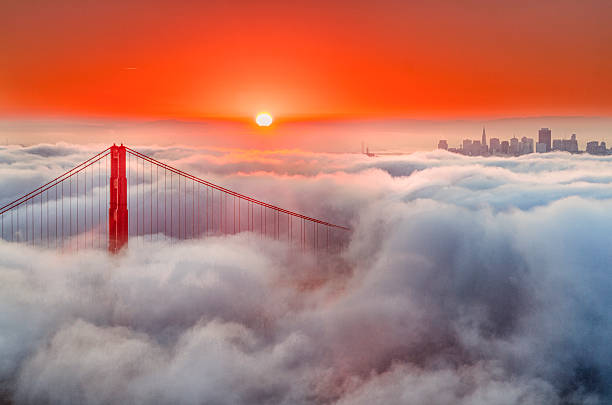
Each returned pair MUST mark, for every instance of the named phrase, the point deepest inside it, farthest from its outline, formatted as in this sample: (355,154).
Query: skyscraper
(467,147)
(566,145)
(514,146)
(476,148)
(505,147)
(573,144)
(495,146)
(526,145)
(544,136)
(484,137)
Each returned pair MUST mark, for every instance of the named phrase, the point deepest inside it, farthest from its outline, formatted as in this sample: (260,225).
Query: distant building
(595,148)
(472,148)
(484,137)
(526,145)
(540,147)
(566,145)
(443,144)
(591,147)
(505,147)
(476,148)
(467,147)
(572,145)
(544,136)
(494,146)
(514,146)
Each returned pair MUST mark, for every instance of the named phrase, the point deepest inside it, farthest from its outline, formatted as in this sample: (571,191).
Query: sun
(263,119)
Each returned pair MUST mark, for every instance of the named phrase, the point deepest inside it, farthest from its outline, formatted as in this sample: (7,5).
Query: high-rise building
(494,146)
(484,137)
(595,148)
(514,146)
(573,144)
(591,147)
(505,147)
(467,146)
(526,145)
(566,145)
(443,144)
(540,147)
(544,136)
(476,148)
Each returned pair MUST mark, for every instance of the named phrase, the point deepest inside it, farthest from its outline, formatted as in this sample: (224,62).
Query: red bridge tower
(118,213)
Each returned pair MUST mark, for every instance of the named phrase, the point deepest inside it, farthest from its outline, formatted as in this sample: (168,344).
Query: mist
(322,135)
(465,281)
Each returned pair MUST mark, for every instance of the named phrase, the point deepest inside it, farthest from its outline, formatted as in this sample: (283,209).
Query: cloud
(465,280)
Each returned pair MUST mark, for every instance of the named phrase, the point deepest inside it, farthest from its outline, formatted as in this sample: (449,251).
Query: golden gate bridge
(121,194)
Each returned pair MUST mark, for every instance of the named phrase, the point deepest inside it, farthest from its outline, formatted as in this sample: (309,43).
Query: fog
(465,281)
(325,135)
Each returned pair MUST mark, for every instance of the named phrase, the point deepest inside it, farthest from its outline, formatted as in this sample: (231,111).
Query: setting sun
(263,119)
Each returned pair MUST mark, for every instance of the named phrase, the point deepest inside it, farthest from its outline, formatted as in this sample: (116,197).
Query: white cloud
(466,280)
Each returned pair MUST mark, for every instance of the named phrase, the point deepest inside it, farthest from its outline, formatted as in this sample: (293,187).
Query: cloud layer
(466,281)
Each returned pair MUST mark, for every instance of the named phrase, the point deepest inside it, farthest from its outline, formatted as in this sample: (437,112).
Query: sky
(305,60)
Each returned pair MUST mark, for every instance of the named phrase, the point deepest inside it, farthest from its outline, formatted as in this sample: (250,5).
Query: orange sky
(201,59)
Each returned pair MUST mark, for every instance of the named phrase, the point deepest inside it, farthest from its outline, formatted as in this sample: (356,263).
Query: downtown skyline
(544,143)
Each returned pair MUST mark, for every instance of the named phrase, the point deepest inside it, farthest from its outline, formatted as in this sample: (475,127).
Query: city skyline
(515,147)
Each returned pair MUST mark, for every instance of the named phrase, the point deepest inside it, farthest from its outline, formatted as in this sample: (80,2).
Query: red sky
(202,59)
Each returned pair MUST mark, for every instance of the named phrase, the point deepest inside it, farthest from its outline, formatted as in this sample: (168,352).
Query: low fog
(465,281)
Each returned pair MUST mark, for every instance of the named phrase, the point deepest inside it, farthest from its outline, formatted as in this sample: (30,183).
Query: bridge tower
(118,213)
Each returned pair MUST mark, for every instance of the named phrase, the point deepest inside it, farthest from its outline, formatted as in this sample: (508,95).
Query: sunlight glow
(263,119)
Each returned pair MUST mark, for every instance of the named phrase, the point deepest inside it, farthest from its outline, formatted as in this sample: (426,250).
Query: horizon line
(346,118)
